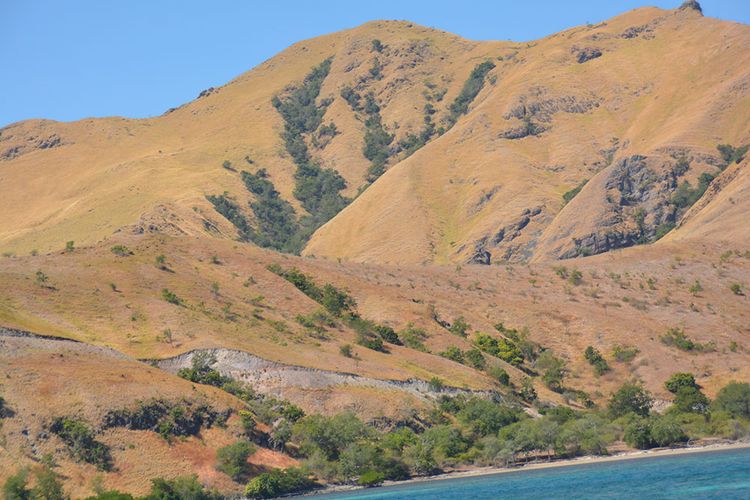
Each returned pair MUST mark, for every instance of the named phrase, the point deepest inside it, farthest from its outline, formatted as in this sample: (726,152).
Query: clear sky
(67,60)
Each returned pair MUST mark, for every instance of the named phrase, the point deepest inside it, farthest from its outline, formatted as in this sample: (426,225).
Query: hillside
(540,124)
(372,221)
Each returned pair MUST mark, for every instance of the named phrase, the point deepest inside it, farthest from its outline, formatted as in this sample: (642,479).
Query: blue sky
(76,59)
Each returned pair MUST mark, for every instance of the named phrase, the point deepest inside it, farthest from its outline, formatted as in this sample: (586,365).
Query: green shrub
(459,327)
(686,196)
(231,211)
(328,435)
(736,289)
(486,417)
(121,251)
(167,418)
(595,359)
(436,384)
(730,154)
(377,45)
(453,353)
(691,400)
(475,359)
(554,370)
(414,338)
(374,343)
(279,483)
(499,374)
(317,189)
(81,442)
(180,488)
(527,392)
(624,353)
(277,225)
(232,459)
(502,348)
(16,486)
(170,297)
(69,246)
(111,495)
(676,337)
(248,422)
(371,478)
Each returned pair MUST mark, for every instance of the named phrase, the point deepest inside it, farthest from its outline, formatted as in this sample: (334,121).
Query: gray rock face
(586,54)
(502,238)
(269,377)
(638,203)
(692,5)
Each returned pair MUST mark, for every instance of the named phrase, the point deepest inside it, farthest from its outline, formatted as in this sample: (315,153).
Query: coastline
(564,462)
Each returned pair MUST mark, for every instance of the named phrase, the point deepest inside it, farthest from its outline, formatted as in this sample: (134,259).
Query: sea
(721,474)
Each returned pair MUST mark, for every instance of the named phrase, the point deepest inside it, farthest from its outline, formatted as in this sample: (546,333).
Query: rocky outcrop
(540,108)
(28,144)
(692,5)
(638,201)
(501,239)
(585,54)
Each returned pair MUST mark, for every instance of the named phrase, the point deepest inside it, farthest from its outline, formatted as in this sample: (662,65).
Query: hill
(371,222)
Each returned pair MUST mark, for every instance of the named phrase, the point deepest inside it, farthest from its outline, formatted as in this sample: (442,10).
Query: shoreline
(563,462)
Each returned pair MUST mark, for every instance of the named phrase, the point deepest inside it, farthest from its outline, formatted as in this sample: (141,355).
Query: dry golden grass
(45,379)
(142,183)
(614,304)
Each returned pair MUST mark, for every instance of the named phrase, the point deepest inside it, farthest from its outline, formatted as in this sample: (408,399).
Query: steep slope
(594,102)
(659,87)
(91,177)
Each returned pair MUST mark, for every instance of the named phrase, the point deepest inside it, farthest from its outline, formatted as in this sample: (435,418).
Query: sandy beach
(588,459)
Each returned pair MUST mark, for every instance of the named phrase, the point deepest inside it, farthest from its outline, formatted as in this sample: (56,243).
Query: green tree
(485,417)
(630,398)
(667,431)
(232,459)
(680,380)
(48,482)
(595,359)
(328,435)
(16,486)
(691,400)
(638,433)
(734,398)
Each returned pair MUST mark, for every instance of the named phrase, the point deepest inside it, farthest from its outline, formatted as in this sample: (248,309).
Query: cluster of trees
(49,486)
(470,90)
(595,359)
(678,338)
(81,442)
(342,306)
(317,188)
(458,430)
(377,140)
(276,226)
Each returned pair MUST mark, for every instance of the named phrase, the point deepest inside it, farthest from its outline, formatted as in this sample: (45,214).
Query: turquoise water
(718,474)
